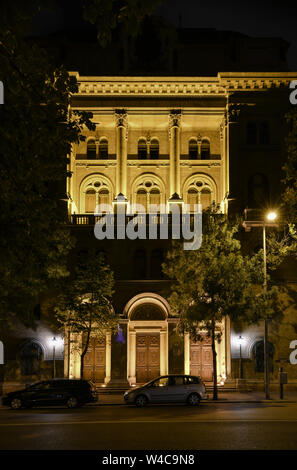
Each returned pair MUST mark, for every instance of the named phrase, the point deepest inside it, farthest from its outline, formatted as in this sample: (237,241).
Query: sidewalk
(223,397)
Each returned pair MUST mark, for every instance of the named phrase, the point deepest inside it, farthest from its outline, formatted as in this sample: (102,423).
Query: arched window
(103,149)
(154,196)
(103,196)
(141,198)
(139,264)
(193,149)
(90,200)
(200,191)
(142,149)
(264,133)
(205,149)
(258,191)
(95,190)
(154,149)
(192,198)
(148,194)
(156,264)
(251,133)
(205,198)
(91,149)
(30,355)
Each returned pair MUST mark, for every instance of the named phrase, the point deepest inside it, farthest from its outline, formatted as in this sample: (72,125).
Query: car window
(177,380)
(41,386)
(162,382)
(193,380)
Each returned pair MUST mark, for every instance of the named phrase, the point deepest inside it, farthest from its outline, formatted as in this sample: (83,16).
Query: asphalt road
(219,426)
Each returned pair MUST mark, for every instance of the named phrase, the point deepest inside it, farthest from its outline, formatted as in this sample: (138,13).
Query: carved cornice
(222,85)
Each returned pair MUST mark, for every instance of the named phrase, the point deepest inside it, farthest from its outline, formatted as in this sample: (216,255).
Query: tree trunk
(214,362)
(82,357)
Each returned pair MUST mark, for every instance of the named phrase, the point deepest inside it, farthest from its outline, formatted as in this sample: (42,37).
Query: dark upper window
(251,133)
(103,149)
(156,264)
(154,148)
(258,191)
(205,149)
(264,133)
(257,133)
(142,149)
(91,149)
(140,264)
(193,149)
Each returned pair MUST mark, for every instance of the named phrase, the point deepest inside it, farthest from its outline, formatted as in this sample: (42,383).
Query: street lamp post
(54,357)
(271,217)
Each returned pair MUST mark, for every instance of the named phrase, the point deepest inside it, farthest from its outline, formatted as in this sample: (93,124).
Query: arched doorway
(147,337)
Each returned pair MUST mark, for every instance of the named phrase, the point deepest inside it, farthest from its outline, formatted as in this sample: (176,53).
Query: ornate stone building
(208,140)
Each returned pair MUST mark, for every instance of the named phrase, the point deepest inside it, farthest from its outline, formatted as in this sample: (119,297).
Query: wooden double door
(147,356)
(95,360)
(201,359)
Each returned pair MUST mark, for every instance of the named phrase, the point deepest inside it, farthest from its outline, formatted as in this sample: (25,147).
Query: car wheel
(72,402)
(141,401)
(194,399)
(16,403)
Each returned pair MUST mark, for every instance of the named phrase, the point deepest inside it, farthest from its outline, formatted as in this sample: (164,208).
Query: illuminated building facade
(208,140)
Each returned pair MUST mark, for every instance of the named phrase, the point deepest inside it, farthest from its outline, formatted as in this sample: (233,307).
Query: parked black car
(70,392)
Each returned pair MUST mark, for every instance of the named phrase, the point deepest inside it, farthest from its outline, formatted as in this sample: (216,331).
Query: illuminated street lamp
(271,217)
(269,221)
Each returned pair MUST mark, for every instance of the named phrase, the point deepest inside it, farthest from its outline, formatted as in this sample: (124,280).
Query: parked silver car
(168,389)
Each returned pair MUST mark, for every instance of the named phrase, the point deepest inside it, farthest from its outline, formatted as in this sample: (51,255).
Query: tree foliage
(217,281)
(36,134)
(290,169)
(84,306)
(107,15)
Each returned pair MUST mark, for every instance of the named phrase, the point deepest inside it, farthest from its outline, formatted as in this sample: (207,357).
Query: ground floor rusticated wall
(146,345)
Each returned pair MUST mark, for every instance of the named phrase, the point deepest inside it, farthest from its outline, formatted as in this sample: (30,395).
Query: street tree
(37,132)
(215,282)
(84,305)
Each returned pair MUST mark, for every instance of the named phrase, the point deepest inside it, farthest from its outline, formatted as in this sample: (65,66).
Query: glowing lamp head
(271,216)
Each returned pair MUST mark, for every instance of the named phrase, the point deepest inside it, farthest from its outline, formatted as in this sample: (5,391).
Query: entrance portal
(95,358)
(201,359)
(147,356)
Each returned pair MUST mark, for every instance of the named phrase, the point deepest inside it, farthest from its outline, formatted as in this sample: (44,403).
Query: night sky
(255,18)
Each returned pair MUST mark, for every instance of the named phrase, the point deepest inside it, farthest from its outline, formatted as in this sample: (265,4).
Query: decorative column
(107,358)
(232,116)
(225,164)
(187,353)
(163,352)
(121,146)
(174,141)
(132,357)
(74,352)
